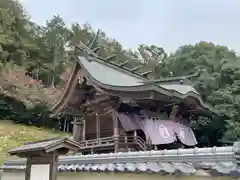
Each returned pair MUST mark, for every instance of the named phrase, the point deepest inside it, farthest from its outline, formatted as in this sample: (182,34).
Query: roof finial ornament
(144,74)
(96,49)
(135,69)
(122,64)
(110,58)
(91,52)
(88,50)
(94,39)
(197,73)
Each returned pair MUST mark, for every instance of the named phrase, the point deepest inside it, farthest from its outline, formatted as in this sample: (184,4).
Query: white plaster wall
(113,176)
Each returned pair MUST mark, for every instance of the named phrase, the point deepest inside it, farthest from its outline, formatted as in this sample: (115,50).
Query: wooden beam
(101,112)
(72,111)
(95,101)
(172,104)
(98,107)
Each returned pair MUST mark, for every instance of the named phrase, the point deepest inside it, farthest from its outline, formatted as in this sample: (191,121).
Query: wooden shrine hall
(118,109)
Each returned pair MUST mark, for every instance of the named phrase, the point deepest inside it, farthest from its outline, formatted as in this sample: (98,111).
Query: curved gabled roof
(108,76)
(111,77)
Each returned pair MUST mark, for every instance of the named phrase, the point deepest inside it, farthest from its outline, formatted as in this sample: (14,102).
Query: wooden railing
(135,140)
(142,144)
(110,141)
(93,143)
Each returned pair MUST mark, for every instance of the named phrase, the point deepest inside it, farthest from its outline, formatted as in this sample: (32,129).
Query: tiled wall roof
(215,161)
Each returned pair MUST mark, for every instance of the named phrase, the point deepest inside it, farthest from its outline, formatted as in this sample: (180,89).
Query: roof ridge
(44,140)
(91,52)
(107,61)
(175,78)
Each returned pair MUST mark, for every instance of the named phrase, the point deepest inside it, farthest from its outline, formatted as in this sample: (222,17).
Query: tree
(218,84)
(153,58)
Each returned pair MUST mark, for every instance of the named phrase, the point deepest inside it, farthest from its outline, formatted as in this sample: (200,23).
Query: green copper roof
(108,75)
(112,76)
(181,88)
(102,72)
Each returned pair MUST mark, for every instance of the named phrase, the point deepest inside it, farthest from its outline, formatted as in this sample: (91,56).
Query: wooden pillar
(126,140)
(68,123)
(97,126)
(135,134)
(28,169)
(77,129)
(115,131)
(84,130)
(53,166)
(65,124)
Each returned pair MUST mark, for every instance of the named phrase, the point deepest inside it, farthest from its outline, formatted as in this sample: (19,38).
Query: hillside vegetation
(35,62)
(15,83)
(13,135)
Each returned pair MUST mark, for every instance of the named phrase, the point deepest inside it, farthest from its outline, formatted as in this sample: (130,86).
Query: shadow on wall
(114,176)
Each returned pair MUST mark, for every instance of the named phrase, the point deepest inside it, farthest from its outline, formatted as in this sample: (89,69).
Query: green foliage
(11,108)
(46,51)
(218,83)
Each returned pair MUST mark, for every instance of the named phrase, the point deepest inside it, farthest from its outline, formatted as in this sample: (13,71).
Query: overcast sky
(166,23)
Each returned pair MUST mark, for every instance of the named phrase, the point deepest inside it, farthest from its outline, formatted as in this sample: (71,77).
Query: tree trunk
(53,80)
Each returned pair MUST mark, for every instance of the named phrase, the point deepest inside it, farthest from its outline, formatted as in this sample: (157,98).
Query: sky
(166,23)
